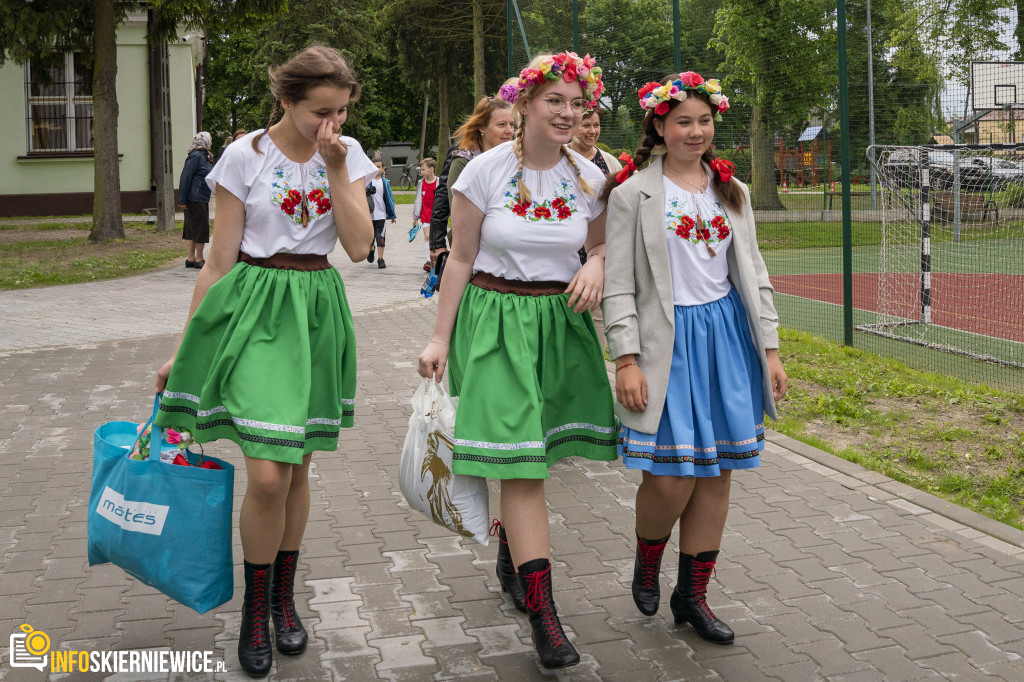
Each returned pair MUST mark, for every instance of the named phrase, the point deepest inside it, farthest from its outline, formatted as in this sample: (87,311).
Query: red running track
(992,305)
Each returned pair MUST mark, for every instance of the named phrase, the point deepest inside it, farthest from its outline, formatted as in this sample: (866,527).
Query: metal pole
(508,38)
(844,136)
(677,54)
(575,27)
(926,239)
(423,126)
(871,111)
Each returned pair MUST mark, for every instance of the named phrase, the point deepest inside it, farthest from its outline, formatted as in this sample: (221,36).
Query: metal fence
(834,106)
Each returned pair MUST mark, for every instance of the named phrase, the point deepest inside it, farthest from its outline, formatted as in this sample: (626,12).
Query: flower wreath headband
(567,66)
(656,95)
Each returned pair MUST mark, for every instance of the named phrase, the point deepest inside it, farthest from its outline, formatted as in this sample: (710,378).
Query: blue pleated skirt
(713,417)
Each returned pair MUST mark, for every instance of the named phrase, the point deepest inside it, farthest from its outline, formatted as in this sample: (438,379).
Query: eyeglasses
(556,105)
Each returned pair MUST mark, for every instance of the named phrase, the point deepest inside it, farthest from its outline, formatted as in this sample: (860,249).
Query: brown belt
(303,262)
(515,286)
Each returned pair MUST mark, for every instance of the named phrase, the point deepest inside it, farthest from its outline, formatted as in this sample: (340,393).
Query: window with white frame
(59,101)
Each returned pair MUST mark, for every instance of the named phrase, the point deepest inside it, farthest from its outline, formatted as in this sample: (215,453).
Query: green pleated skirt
(532,386)
(268,361)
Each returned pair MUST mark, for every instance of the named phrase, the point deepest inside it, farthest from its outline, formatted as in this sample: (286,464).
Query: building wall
(55,186)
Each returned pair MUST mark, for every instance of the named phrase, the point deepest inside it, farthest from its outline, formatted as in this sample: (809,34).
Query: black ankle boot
(553,647)
(689,599)
(506,570)
(254,650)
(646,572)
(288,631)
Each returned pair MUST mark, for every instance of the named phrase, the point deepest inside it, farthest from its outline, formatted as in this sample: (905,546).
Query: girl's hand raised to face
(330,145)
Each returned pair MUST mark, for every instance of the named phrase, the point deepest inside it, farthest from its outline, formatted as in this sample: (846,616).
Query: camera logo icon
(29,648)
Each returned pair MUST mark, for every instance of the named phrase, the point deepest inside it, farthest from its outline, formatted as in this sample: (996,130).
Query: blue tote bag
(167,525)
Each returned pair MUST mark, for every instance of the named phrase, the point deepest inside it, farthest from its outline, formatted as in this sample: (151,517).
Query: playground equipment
(809,163)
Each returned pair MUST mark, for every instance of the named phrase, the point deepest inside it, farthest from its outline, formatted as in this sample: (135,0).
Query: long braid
(585,185)
(270,122)
(728,192)
(517,146)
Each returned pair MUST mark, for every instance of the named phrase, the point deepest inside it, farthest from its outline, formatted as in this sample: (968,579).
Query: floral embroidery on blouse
(687,228)
(287,194)
(555,210)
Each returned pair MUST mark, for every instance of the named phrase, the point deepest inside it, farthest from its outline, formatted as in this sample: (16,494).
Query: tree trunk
(1018,30)
(106,206)
(443,132)
(764,194)
(479,81)
(160,127)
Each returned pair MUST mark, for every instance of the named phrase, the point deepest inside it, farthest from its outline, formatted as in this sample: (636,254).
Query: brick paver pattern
(824,574)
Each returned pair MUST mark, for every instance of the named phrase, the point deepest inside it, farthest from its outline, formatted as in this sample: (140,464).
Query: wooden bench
(971,204)
(859,193)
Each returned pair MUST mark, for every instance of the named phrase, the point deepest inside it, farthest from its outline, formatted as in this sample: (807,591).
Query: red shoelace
(258,608)
(650,563)
(701,572)
(539,599)
(284,588)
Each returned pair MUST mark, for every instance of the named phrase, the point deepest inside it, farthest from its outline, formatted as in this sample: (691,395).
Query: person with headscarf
(194,195)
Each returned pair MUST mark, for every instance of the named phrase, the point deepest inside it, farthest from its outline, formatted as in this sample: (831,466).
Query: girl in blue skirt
(268,358)
(693,330)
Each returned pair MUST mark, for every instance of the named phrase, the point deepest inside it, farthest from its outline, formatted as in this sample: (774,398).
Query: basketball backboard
(996,85)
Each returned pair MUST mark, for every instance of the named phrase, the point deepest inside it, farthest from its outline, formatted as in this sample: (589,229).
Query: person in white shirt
(268,356)
(524,355)
(694,333)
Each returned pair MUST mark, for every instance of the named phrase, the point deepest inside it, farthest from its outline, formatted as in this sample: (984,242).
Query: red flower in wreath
(316,195)
(295,195)
(288,207)
(521,208)
(703,234)
(558,204)
(564,214)
(684,227)
(542,212)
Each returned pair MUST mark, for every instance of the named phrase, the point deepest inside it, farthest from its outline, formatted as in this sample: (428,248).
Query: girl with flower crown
(513,325)
(693,330)
(268,357)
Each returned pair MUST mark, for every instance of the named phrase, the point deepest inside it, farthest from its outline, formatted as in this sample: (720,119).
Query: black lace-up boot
(505,569)
(553,647)
(288,631)
(689,599)
(254,650)
(646,571)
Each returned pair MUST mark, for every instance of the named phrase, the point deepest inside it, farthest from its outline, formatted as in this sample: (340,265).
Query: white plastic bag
(454,501)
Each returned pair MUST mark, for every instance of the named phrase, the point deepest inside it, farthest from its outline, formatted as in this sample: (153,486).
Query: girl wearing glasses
(513,320)
(693,330)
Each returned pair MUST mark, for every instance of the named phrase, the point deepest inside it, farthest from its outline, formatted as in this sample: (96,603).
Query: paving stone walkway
(828,571)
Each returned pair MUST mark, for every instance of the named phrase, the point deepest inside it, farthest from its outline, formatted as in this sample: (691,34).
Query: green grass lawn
(31,261)
(956,439)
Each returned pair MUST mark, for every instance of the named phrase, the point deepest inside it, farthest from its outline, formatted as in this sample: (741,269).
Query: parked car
(1003,171)
(903,169)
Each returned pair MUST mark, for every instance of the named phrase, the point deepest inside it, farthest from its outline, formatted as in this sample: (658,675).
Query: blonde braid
(524,192)
(585,185)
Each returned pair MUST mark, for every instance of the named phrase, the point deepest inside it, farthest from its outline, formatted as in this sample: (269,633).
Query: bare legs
(195,250)
(524,514)
(275,508)
(699,504)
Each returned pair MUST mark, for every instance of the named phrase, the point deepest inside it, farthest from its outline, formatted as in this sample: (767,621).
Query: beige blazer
(639,310)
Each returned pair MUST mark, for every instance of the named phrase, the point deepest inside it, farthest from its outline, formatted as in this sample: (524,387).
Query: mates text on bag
(455,501)
(164,524)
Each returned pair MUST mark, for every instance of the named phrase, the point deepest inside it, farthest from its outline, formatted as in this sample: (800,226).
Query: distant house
(1002,126)
(46,152)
